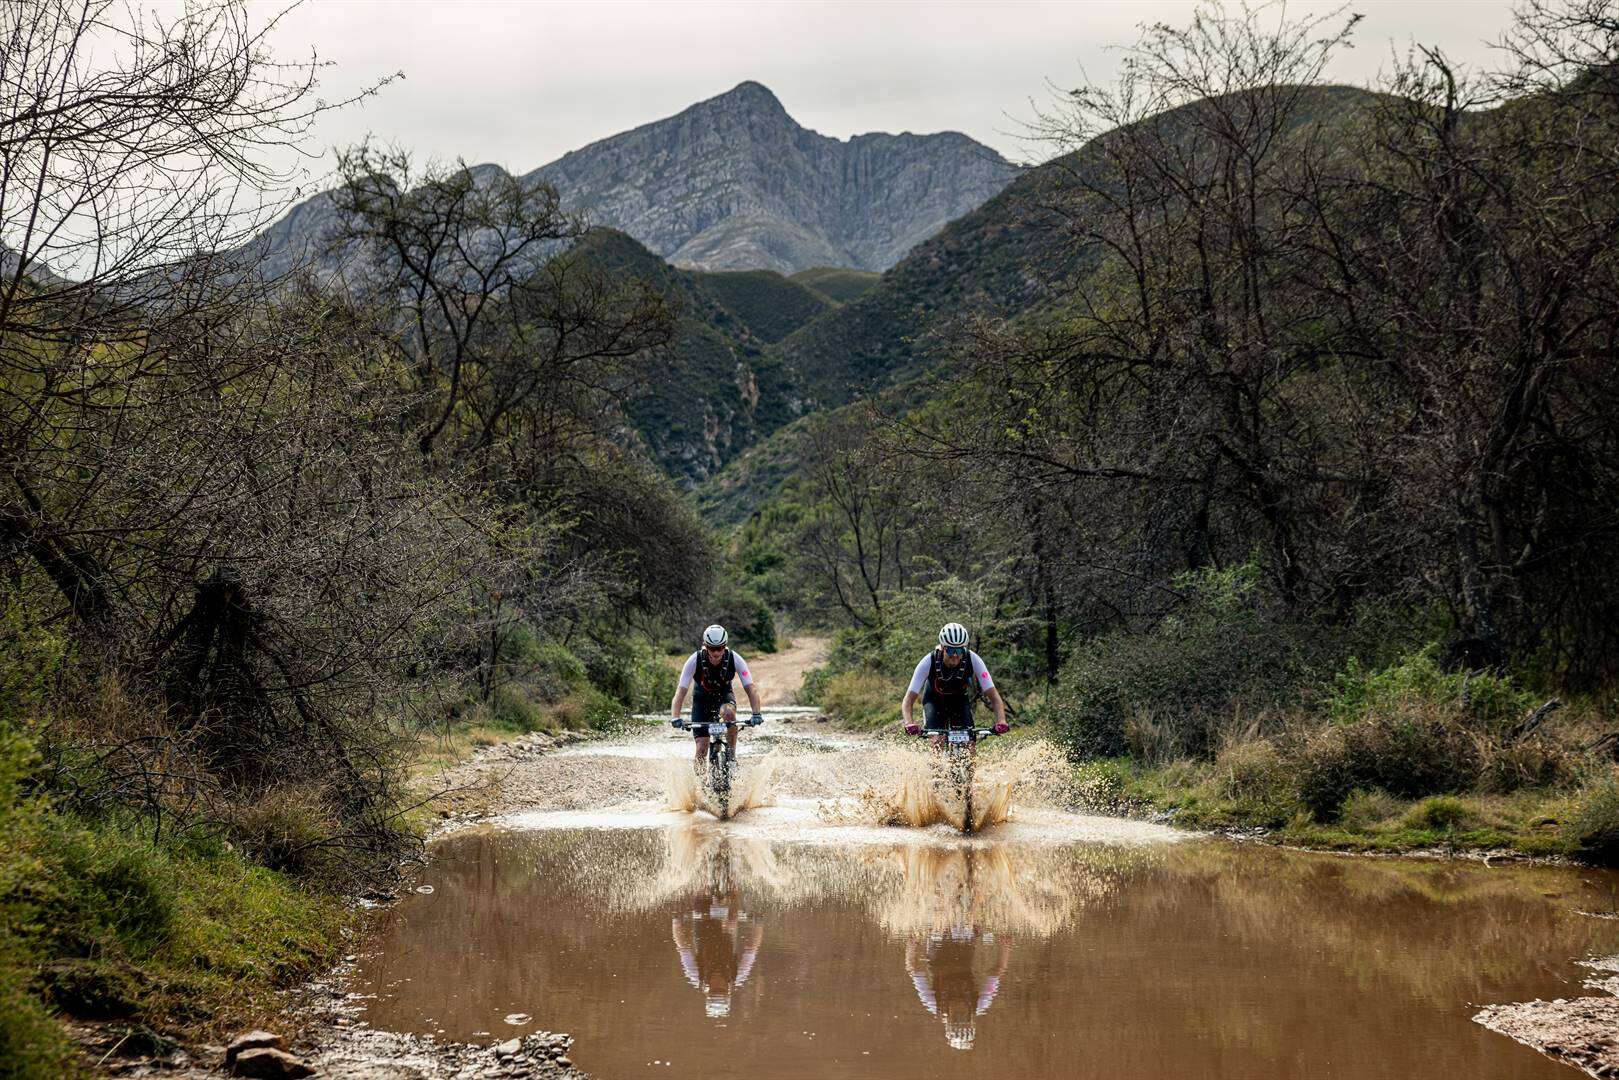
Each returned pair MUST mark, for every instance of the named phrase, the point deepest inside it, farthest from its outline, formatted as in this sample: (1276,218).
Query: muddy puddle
(794,942)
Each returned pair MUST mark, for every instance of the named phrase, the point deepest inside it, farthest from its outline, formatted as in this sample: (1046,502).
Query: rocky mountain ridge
(735,183)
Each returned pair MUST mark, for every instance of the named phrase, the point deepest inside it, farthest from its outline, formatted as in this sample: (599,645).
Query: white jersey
(689,672)
(919,679)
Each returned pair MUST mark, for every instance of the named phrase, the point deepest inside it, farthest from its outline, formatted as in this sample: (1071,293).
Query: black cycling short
(943,715)
(705,709)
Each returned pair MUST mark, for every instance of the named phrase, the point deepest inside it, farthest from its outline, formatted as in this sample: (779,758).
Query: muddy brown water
(691,948)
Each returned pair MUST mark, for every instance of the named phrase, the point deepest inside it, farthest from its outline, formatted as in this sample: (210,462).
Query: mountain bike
(721,760)
(958,750)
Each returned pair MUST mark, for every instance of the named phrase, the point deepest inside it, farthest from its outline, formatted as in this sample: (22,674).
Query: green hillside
(1005,258)
(836,283)
(757,350)
(772,306)
(716,388)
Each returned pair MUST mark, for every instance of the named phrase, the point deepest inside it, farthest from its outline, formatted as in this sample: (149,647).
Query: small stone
(509,1048)
(425,890)
(565,1061)
(253,1040)
(267,1063)
(518,1018)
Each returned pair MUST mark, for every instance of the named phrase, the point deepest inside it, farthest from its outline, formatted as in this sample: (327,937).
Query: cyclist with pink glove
(946,680)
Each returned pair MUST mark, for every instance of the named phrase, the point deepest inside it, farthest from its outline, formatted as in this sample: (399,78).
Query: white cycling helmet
(954,635)
(715,635)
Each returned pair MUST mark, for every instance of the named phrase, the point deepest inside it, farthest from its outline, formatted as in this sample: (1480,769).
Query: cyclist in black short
(707,675)
(946,679)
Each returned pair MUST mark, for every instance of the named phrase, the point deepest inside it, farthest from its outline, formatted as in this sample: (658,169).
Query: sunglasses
(715,648)
(952,650)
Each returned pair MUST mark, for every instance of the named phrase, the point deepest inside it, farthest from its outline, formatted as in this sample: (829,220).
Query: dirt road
(779,675)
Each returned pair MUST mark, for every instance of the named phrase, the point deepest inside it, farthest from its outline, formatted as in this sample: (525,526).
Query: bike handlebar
(980,733)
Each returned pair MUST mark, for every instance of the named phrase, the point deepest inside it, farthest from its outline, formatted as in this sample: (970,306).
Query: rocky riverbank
(1582,1032)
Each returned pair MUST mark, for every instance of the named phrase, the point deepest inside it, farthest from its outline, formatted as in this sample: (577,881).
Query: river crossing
(812,936)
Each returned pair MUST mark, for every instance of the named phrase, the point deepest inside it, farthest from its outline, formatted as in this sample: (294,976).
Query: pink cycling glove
(912,729)
(1002,729)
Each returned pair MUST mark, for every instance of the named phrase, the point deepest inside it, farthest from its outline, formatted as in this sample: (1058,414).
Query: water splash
(925,788)
(752,786)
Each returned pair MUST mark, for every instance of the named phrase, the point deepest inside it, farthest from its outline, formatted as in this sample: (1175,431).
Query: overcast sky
(521,83)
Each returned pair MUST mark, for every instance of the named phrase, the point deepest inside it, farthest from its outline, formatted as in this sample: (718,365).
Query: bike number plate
(717,730)
(960,737)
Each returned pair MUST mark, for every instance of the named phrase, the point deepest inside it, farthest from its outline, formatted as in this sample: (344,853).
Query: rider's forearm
(678,703)
(753,697)
(905,706)
(1000,706)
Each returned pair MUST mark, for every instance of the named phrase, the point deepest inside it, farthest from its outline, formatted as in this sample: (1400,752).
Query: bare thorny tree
(520,350)
(207,486)
(1368,336)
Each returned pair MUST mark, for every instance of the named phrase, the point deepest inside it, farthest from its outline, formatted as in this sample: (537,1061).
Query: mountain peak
(735,183)
(750,95)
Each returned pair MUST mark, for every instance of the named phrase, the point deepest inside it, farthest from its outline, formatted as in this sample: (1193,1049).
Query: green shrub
(590,709)
(742,611)
(1415,730)
(1440,812)
(602,713)
(32,1044)
(1416,751)
(862,698)
(1591,825)
(1366,810)
(512,707)
(521,646)
(1255,781)
(1493,701)
(1189,673)
(813,687)
(626,668)
(553,671)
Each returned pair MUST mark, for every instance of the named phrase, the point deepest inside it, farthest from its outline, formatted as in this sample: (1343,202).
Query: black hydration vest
(944,683)
(714,678)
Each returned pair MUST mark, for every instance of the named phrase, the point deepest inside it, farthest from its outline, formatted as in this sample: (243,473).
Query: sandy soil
(778,675)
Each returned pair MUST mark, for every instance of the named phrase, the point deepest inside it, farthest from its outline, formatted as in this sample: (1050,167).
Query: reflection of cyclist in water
(941,965)
(718,943)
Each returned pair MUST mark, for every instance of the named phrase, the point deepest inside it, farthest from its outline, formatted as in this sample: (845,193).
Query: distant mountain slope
(716,389)
(1007,257)
(836,283)
(735,183)
(771,305)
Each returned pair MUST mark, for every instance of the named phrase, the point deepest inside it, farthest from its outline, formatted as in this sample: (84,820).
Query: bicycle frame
(958,745)
(721,762)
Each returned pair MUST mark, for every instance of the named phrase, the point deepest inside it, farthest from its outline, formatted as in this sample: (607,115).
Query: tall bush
(1222,648)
